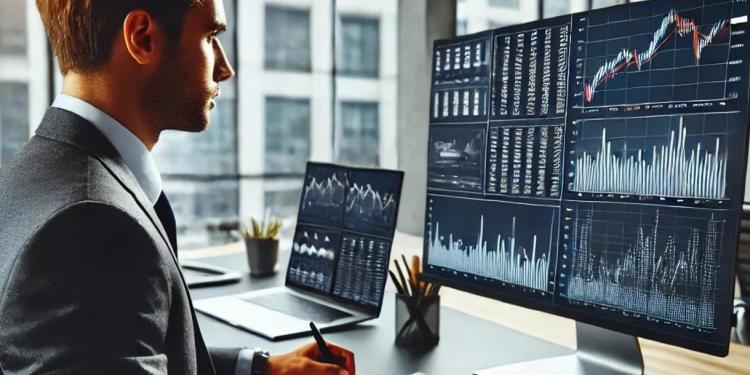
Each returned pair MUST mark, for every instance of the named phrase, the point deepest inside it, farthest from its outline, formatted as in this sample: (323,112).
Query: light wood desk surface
(659,358)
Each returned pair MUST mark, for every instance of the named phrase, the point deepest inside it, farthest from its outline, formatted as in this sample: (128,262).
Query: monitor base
(600,351)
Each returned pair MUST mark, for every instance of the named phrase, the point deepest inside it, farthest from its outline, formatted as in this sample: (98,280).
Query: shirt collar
(132,151)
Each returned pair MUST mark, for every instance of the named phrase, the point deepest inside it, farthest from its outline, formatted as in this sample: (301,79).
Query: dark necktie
(166,216)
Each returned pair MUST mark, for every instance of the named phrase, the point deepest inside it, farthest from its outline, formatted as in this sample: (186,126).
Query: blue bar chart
(667,156)
(514,249)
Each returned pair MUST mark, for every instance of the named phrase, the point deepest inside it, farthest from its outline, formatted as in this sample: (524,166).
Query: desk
(466,343)
(497,345)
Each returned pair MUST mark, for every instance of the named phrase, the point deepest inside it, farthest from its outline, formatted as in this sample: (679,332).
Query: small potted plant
(262,244)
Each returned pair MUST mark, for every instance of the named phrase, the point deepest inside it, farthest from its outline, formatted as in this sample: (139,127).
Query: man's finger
(345,357)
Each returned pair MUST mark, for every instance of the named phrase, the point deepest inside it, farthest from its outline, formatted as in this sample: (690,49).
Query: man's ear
(144,39)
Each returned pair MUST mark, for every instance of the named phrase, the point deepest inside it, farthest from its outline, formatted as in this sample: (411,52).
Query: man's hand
(307,360)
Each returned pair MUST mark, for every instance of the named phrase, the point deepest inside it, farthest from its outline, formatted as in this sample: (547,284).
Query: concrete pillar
(420,22)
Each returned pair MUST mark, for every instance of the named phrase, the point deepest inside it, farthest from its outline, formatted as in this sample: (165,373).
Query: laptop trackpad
(297,307)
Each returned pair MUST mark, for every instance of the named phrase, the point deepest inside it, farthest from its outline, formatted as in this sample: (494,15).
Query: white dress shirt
(141,163)
(132,151)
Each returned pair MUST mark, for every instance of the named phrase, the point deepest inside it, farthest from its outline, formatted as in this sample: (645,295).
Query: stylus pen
(324,351)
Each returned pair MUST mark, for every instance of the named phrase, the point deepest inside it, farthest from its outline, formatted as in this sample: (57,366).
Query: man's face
(184,86)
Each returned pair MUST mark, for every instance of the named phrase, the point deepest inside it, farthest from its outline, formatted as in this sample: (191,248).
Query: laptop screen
(345,226)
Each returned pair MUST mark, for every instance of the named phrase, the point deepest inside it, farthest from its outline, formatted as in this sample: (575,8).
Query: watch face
(260,361)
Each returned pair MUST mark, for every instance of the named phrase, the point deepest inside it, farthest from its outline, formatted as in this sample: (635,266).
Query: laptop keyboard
(298,307)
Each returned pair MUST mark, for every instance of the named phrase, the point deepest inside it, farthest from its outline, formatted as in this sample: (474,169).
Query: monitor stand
(600,351)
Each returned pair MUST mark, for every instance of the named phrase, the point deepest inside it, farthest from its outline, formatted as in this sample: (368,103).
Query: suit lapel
(64,126)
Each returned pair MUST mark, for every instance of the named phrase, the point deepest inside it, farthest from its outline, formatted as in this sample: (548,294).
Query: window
(14,118)
(553,8)
(480,15)
(287,135)
(359,134)
(497,25)
(461,27)
(605,3)
(360,46)
(284,198)
(504,3)
(13,27)
(287,39)
(14,85)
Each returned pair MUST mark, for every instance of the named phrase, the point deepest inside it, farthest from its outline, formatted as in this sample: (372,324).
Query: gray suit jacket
(88,280)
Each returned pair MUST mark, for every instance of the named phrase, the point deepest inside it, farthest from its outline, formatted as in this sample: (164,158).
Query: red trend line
(682,26)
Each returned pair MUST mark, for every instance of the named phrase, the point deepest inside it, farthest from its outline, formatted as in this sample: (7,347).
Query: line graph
(655,53)
(323,195)
(660,262)
(672,25)
(370,204)
(668,156)
(372,201)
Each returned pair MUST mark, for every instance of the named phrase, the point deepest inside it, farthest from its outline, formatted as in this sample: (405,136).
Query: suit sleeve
(228,361)
(88,294)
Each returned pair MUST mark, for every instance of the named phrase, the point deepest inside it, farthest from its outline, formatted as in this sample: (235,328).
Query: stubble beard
(175,100)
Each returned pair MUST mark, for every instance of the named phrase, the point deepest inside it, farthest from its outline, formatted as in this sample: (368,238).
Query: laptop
(338,265)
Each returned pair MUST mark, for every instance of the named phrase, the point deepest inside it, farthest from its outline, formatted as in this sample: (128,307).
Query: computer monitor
(592,166)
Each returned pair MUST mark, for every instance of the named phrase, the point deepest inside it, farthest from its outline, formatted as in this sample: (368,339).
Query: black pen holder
(417,321)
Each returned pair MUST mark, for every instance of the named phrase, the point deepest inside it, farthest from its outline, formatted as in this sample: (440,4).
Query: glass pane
(12,27)
(479,15)
(287,38)
(14,118)
(287,135)
(360,46)
(205,210)
(553,8)
(282,196)
(359,142)
(605,3)
(504,3)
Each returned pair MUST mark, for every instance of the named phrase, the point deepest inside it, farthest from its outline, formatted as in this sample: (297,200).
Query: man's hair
(82,32)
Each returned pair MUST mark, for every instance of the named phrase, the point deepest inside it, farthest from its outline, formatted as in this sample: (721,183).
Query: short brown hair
(81,32)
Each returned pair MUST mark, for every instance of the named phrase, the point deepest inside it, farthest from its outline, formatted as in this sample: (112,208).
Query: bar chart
(658,156)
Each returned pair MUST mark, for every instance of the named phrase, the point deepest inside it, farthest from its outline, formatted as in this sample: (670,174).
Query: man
(89,281)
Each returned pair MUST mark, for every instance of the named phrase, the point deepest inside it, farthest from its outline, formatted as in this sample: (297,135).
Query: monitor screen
(592,166)
(345,227)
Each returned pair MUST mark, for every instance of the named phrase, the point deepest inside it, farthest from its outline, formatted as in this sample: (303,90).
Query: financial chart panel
(345,227)
(593,166)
